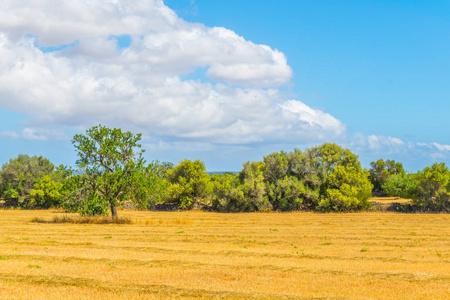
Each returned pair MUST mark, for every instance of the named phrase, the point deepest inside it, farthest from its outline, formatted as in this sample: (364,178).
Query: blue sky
(228,81)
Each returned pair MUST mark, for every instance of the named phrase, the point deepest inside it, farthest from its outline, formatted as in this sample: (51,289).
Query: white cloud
(412,155)
(62,22)
(141,86)
(34,134)
(313,118)
(236,101)
(377,143)
(442,147)
(435,146)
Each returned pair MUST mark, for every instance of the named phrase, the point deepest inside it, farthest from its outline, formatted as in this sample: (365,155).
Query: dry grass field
(187,255)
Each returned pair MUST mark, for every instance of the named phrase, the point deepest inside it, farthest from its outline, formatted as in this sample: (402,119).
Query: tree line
(111,171)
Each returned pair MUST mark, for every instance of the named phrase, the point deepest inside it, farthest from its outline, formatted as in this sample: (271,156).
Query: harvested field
(187,255)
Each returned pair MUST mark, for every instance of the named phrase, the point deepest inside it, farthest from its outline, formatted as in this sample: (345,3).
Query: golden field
(390,200)
(198,255)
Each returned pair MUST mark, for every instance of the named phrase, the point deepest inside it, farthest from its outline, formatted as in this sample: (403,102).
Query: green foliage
(111,171)
(79,193)
(400,185)
(286,194)
(46,193)
(112,165)
(326,177)
(433,188)
(223,187)
(381,171)
(189,183)
(344,184)
(154,182)
(293,179)
(19,176)
(243,192)
(348,189)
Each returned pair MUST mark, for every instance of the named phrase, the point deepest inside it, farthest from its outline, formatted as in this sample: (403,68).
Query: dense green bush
(243,192)
(46,193)
(400,185)
(286,194)
(189,183)
(156,184)
(80,193)
(19,177)
(327,178)
(380,173)
(432,190)
(344,184)
(290,180)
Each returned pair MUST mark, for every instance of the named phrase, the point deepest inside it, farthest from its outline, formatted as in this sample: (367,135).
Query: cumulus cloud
(61,64)
(62,22)
(93,80)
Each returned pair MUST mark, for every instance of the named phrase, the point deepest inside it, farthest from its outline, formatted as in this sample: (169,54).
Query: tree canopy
(111,163)
(381,171)
(19,176)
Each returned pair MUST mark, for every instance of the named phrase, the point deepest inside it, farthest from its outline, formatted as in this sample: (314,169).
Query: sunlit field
(187,255)
(390,200)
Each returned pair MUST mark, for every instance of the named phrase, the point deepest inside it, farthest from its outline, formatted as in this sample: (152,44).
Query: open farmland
(189,255)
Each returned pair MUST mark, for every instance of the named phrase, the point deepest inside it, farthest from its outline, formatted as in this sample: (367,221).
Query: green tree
(380,172)
(326,177)
(225,187)
(80,193)
(19,176)
(400,185)
(112,164)
(344,184)
(46,193)
(283,177)
(347,189)
(189,183)
(156,184)
(286,193)
(432,190)
(243,192)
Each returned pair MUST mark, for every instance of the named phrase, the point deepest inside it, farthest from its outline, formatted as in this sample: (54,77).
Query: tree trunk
(113,211)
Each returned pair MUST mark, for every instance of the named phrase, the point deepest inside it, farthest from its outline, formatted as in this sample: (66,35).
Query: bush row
(323,178)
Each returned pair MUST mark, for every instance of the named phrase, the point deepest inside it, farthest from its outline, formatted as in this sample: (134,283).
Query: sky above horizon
(228,81)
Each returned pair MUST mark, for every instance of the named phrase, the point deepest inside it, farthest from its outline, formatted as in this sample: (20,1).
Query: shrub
(344,185)
(381,171)
(243,192)
(400,185)
(189,183)
(19,176)
(432,190)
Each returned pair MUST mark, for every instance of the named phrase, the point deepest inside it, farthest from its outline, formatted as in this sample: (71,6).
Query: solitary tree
(112,163)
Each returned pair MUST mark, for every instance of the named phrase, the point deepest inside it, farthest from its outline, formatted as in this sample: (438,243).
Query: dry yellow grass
(390,200)
(187,255)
